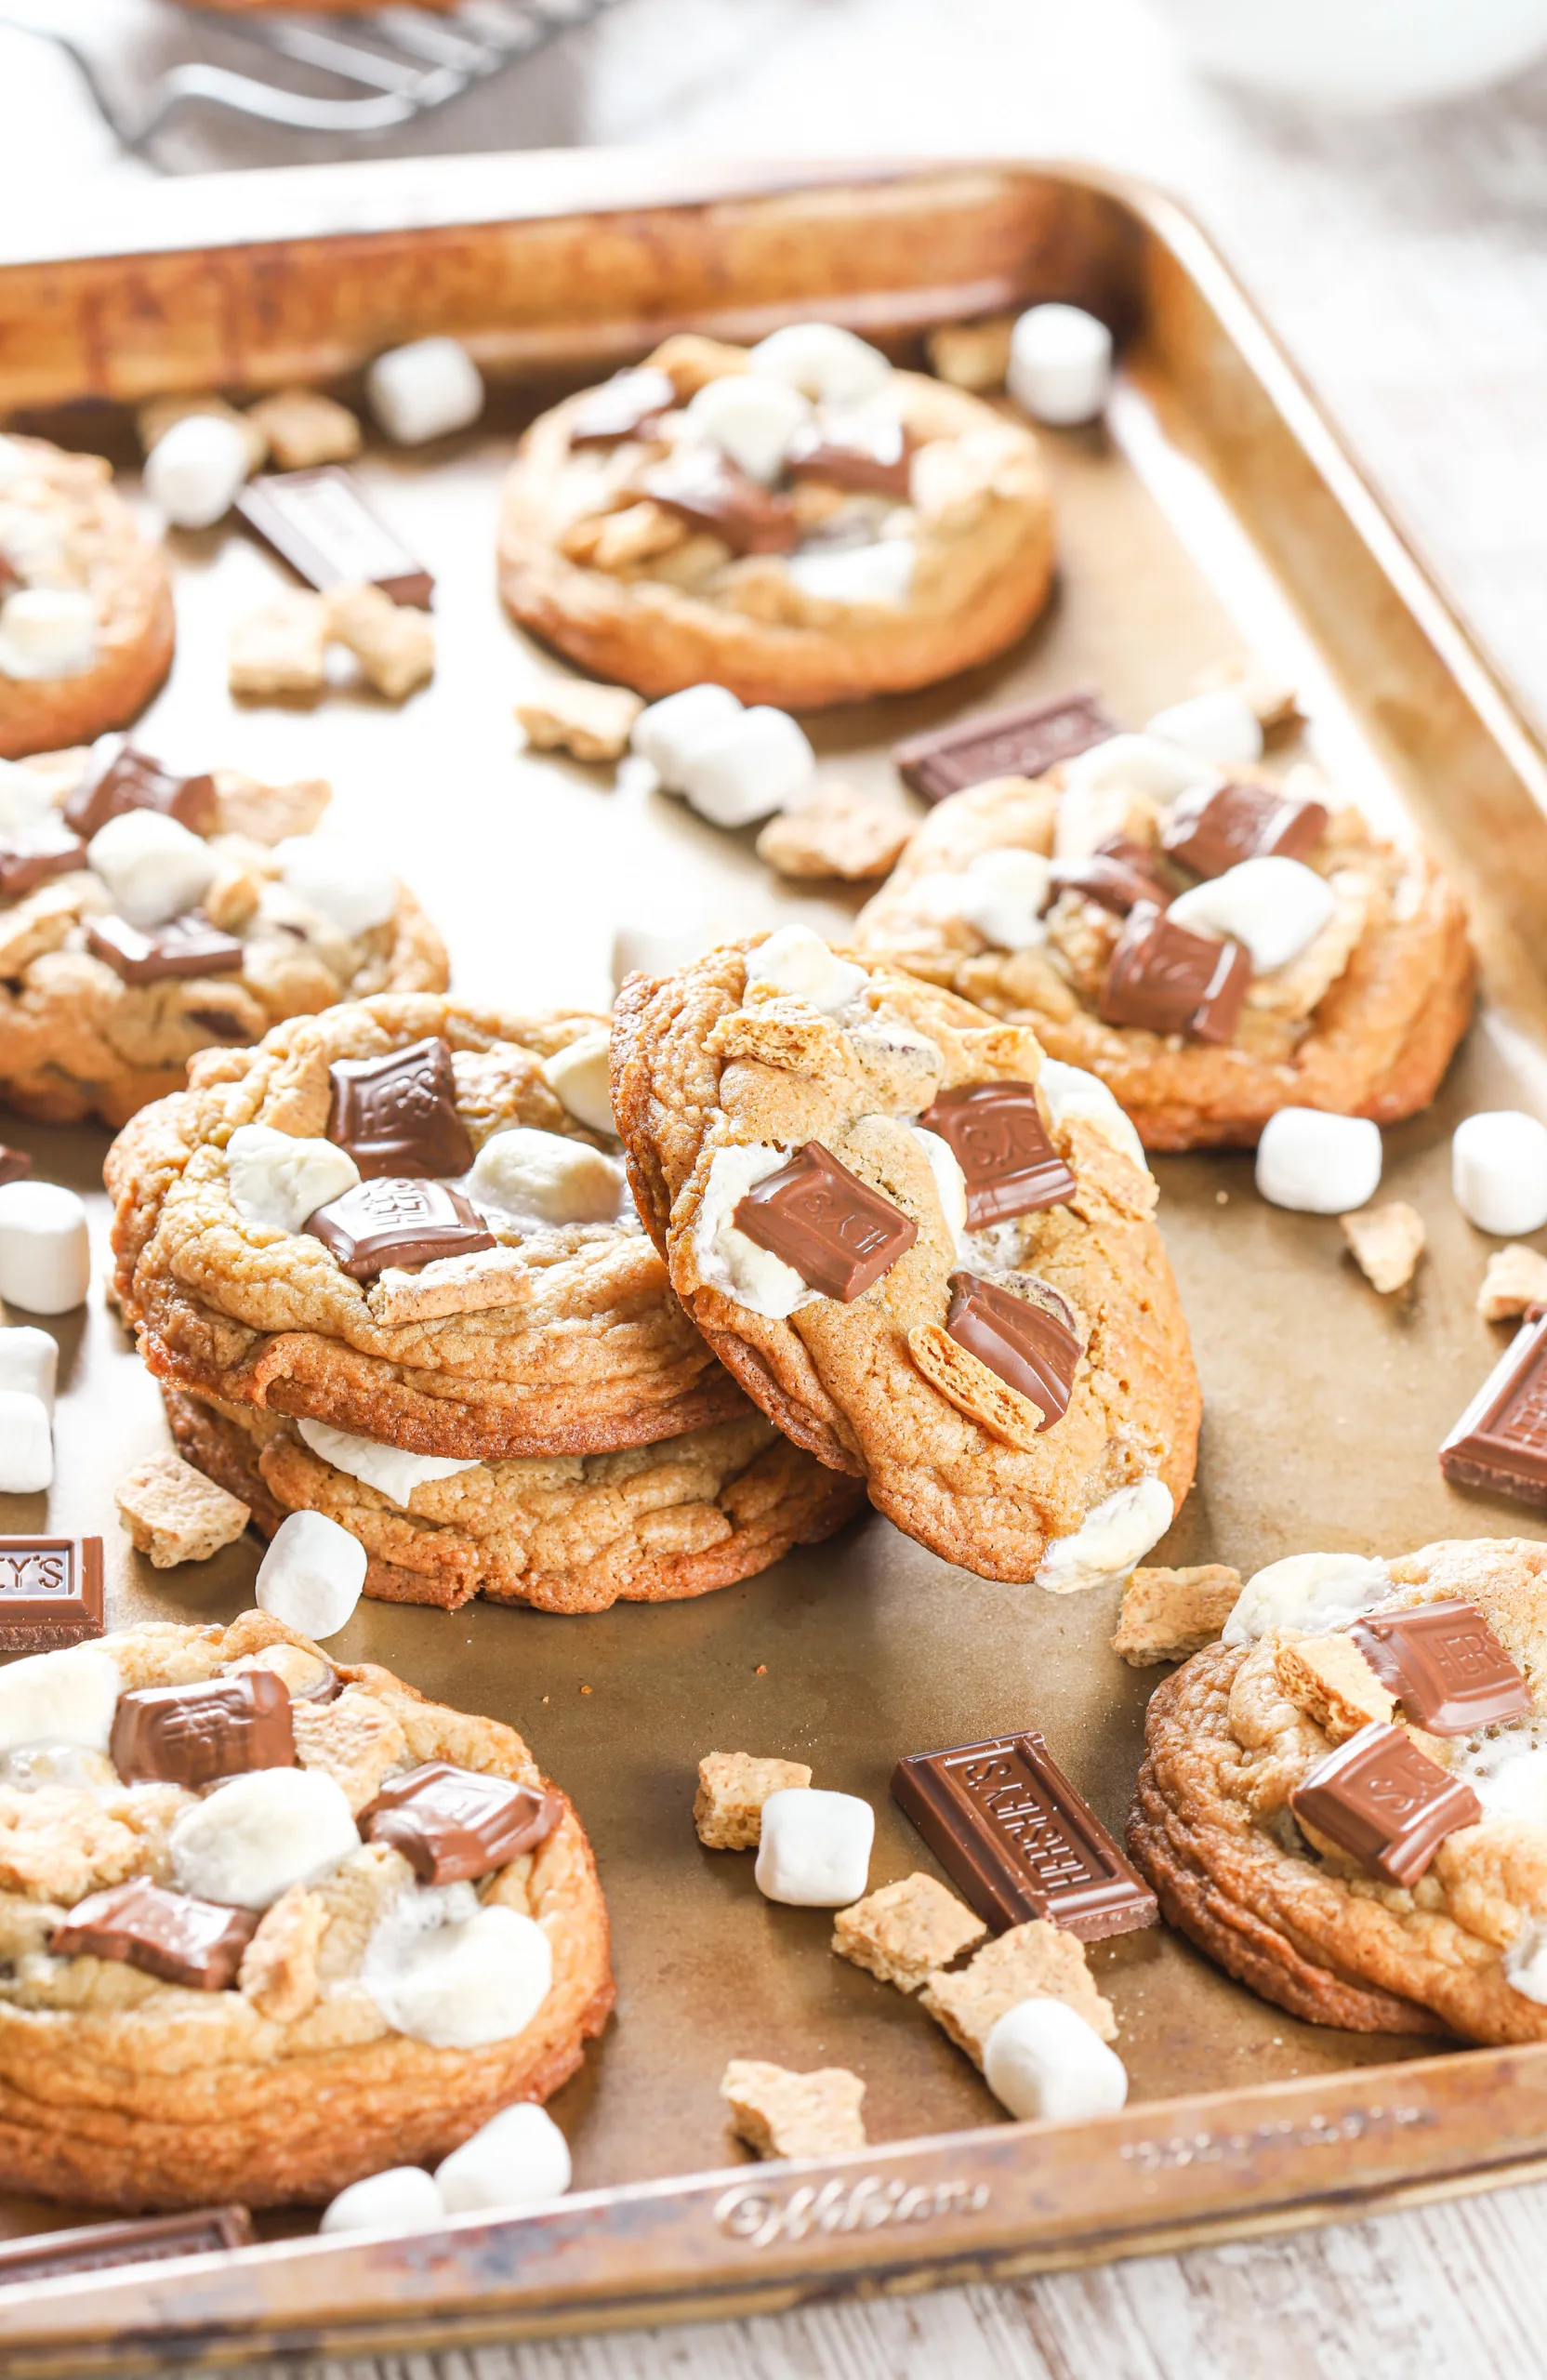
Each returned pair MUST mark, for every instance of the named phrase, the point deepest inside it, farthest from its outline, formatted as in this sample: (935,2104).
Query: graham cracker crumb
(571,715)
(964,1381)
(473,1283)
(733,1787)
(356,1740)
(1517,1278)
(972,355)
(778,2113)
(278,1973)
(1039,1960)
(690,360)
(904,1932)
(280,649)
(1329,1678)
(836,832)
(1387,1242)
(303,428)
(1168,1615)
(175,1514)
(393,644)
(269,813)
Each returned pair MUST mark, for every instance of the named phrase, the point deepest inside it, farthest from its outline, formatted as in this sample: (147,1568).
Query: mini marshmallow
(656,949)
(26,803)
(462,1984)
(28,1361)
(814,1851)
(277,1179)
(751,417)
(1003,893)
(403,2199)
(879,574)
(1275,906)
(519,2158)
(1113,1537)
(47,632)
(1498,1171)
(1060,364)
(829,366)
(1219,726)
(390,1470)
(756,763)
(798,962)
(1525,1963)
(425,390)
(949,1180)
(251,1839)
(194,470)
(725,1257)
(312,1575)
(670,731)
(1139,764)
(1317,1592)
(344,884)
(44,1247)
(153,868)
(26,1444)
(578,1077)
(16,464)
(1510,1779)
(1044,2064)
(1319,1164)
(545,1178)
(1072,1093)
(64,1698)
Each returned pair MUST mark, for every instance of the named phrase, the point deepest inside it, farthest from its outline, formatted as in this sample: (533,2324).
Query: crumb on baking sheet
(779,2113)
(733,1787)
(1387,1242)
(836,832)
(174,1514)
(571,715)
(1036,1961)
(1515,1279)
(906,1931)
(1168,1615)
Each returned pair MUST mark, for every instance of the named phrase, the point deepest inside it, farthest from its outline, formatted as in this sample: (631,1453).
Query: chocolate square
(49,851)
(119,778)
(170,1935)
(1209,831)
(1118,873)
(704,488)
(874,456)
(397,1220)
(839,1235)
(193,1735)
(994,1131)
(50,1592)
(1024,741)
(148,2239)
(629,405)
(397,1114)
(1384,1802)
(450,1823)
(1167,980)
(1028,1346)
(185,946)
(1444,1665)
(1500,1440)
(319,523)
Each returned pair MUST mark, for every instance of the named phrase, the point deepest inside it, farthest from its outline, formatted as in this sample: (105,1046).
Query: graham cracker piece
(490,1277)
(1168,1615)
(393,644)
(269,813)
(1273,698)
(1387,1242)
(733,1787)
(278,1973)
(690,360)
(974,356)
(1516,1278)
(573,715)
(1039,1960)
(280,650)
(303,428)
(836,832)
(1329,1678)
(779,2113)
(356,1740)
(967,1383)
(904,1932)
(175,1514)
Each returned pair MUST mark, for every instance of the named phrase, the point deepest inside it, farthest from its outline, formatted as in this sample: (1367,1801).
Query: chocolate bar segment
(170,1935)
(1025,1344)
(119,778)
(50,1592)
(1119,873)
(704,488)
(1211,830)
(873,457)
(397,1114)
(319,523)
(1168,980)
(1018,1841)
(187,945)
(838,1234)
(1025,741)
(151,2238)
(629,405)
(1444,1665)
(396,1221)
(1500,1440)
(15,1165)
(48,851)
(450,1823)
(994,1131)
(1384,1802)
(192,1735)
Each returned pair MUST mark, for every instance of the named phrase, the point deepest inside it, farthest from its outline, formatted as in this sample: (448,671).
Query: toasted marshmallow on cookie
(277,1179)
(545,1178)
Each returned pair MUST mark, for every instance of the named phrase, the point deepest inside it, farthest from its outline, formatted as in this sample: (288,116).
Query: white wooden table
(1405,265)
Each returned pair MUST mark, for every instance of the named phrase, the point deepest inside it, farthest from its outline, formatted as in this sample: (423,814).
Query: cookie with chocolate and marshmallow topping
(1019,1396)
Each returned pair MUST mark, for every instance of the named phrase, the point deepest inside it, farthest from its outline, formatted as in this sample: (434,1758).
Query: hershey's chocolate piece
(119,778)
(451,1823)
(187,945)
(873,455)
(1500,1440)
(51,851)
(191,1735)
(704,488)
(15,1165)
(994,1131)
(320,524)
(1211,832)
(397,1114)
(150,2239)
(218,1023)
(50,1592)
(839,1235)
(1444,1665)
(1028,1347)
(629,405)
(1023,742)
(1119,873)
(1017,1839)
(1171,981)
(397,1220)
(165,1934)
(1384,1802)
